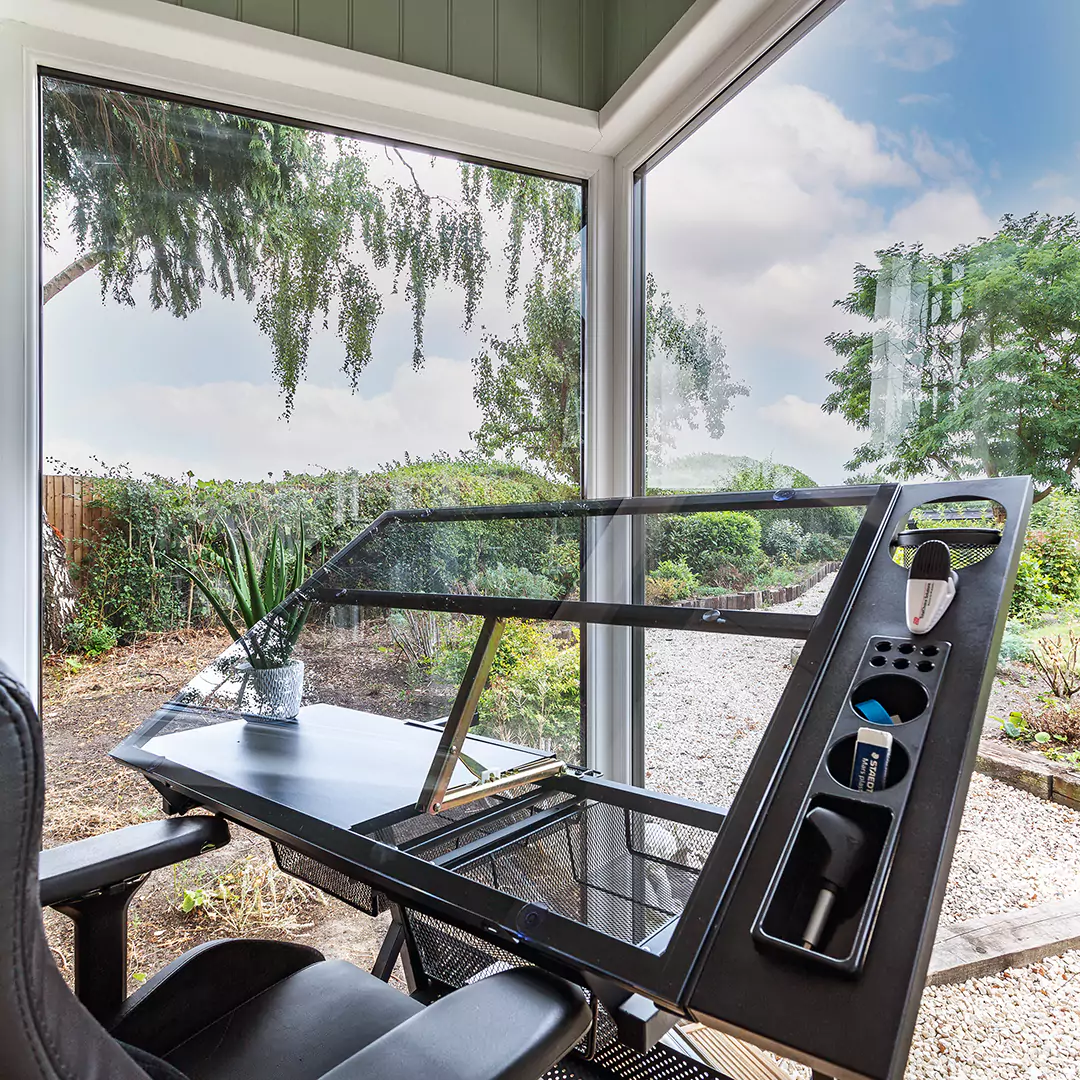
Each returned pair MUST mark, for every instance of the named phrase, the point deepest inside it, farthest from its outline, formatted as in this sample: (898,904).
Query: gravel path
(708,699)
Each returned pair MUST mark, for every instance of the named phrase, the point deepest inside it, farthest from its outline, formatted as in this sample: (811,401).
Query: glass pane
(476,598)
(860,268)
(258,338)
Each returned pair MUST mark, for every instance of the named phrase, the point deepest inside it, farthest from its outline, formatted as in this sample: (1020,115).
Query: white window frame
(178,51)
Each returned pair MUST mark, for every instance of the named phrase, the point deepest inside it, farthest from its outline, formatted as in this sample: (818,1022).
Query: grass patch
(251,894)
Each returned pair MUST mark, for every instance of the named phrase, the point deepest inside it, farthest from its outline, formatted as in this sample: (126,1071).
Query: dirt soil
(88,707)
(361,668)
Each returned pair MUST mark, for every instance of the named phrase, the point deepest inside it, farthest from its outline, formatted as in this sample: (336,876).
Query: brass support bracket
(461,717)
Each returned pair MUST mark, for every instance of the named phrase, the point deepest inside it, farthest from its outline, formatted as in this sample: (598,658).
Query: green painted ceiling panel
(472,40)
(228,8)
(273,14)
(592,53)
(575,51)
(425,33)
(517,60)
(560,50)
(327,21)
(376,27)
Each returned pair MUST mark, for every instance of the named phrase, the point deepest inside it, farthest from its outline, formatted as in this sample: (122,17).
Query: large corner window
(262,333)
(856,267)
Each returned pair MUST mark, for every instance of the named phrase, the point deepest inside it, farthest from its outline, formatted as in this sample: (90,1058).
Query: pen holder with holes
(902,676)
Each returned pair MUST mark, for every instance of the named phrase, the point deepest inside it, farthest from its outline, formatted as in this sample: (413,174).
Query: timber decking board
(988,945)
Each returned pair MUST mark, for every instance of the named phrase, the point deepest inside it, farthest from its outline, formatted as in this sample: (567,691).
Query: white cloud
(1051,181)
(805,419)
(909,49)
(942,219)
(235,429)
(775,174)
(760,219)
(941,159)
(923,99)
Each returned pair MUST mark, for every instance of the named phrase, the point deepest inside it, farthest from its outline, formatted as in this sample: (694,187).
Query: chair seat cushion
(300,1028)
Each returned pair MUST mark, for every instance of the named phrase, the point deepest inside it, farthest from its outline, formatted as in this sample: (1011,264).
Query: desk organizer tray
(622,872)
(901,675)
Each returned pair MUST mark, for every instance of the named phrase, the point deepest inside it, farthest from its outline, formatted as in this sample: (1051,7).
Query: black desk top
(342,766)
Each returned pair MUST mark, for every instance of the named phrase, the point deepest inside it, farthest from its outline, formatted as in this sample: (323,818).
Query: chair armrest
(510,1026)
(73,870)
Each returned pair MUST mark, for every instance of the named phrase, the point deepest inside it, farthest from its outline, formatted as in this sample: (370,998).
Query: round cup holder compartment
(899,695)
(842,756)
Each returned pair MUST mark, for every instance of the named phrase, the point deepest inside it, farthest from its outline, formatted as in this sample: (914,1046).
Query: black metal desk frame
(707,963)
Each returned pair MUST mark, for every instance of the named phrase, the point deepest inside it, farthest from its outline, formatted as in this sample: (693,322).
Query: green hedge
(722,548)
(128,585)
(1048,579)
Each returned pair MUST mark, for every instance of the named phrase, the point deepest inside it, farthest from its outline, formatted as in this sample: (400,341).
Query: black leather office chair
(228,1010)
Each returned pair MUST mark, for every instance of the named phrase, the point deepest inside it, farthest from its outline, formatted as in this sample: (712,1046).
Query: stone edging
(1030,772)
(747,601)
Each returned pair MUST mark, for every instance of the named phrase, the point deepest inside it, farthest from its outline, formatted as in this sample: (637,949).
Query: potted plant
(274,681)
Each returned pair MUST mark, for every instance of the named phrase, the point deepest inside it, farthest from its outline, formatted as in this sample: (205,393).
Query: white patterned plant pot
(271,693)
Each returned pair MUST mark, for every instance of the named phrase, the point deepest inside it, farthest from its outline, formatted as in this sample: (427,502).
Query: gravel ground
(708,699)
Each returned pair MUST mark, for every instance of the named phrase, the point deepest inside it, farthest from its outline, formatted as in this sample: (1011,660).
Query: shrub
(1031,594)
(1057,551)
(88,639)
(503,580)
(670,581)
(783,539)
(1058,662)
(1059,719)
(820,547)
(562,565)
(533,694)
(127,583)
(418,634)
(722,548)
(1014,645)
(127,589)
(838,521)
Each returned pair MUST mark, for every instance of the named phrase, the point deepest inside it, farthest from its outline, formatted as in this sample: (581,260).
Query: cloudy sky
(137,387)
(916,120)
(913,120)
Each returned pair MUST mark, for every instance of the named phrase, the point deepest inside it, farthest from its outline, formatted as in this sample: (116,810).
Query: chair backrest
(45,1034)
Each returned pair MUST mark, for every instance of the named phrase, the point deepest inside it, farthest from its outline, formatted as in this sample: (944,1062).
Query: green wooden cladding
(576,51)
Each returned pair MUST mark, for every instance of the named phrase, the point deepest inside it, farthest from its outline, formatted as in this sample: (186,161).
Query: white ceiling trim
(235,63)
(384,97)
(705,51)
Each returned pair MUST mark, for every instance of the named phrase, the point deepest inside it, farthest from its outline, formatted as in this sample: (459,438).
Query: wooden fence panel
(65,500)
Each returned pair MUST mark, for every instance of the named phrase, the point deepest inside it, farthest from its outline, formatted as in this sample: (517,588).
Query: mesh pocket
(355,893)
(619,871)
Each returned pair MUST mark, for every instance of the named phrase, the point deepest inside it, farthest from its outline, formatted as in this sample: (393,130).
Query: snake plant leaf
(234,573)
(258,593)
(258,609)
(298,565)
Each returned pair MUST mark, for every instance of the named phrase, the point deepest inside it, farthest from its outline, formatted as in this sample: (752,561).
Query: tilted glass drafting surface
(743,917)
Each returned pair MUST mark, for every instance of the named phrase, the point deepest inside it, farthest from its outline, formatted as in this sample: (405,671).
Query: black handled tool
(846,844)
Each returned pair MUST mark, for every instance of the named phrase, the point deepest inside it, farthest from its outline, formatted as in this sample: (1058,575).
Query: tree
(192,198)
(687,380)
(189,198)
(973,367)
(527,385)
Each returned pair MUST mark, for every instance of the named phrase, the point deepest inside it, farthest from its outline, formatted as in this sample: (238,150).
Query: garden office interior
(270,262)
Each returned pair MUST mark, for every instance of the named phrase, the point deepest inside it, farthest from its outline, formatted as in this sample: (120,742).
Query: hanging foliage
(190,198)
